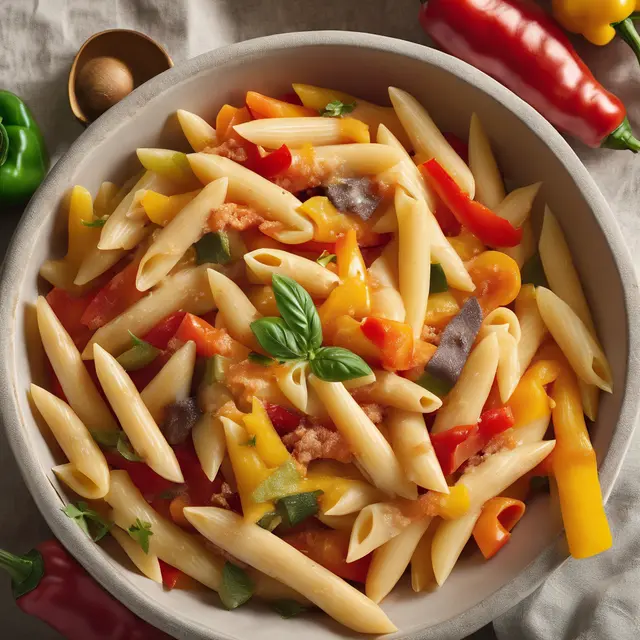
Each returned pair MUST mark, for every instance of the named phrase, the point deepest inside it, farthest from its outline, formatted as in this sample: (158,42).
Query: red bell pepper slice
(162,333)
(490,228)
(394,339)
(114,298)
(209,340)
(458,145)
(329,549)
(69,311)
(455,446)
(271,165)
(283,420)
(172,578)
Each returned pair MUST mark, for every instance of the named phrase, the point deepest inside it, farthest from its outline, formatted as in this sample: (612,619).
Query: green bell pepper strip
(23,156)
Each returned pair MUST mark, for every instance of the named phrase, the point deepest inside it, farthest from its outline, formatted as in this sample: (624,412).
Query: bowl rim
(91,556)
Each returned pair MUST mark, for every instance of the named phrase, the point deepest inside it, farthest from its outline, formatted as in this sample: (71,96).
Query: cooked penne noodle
(292,380)
(501,317)
(187,290)
(104,202)
(391,560)
(358,159)
(412,445)
(464,402)
(198,132)
(393,390)
(298,132)
(140,427)
(422,577)
(482,163)
(369,446)
(516,206)
(487,480)
(532,327)
(386,301)
(578,345)
(98,261)
(427,140)
(209,443)
(87,472)
(274,557)
(387,222)
(339,523)
(262,264)
(248,187)
(147,564)
(185,229)
(526,249)
(356,383)
(532,432)
(78,387)
(235,308)
(172,383)
(415,267)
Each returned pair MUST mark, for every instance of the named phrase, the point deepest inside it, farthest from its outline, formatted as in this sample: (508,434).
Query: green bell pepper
(23,156)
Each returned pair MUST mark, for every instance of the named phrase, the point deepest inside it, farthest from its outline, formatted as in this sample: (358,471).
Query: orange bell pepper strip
(497,279)
(576,471)
(530,402)
(262,106)
(493,528)
(347,333)
(489,227)
(394,339)
(349,258)
(209,340)
(227,118)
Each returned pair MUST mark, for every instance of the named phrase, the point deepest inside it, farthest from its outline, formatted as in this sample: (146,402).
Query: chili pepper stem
(18,567)
(627,31)
(622,138)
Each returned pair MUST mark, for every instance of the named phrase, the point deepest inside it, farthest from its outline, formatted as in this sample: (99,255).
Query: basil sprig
(297,335)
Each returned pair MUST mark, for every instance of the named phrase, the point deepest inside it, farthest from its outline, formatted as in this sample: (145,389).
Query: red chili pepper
(523,48)
(489,227)
(160,335)
(268,166)
(50,585)
(283,420)
(457,445)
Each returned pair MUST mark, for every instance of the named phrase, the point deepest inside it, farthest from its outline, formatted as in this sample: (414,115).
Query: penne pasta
(172,383)
(391,560)
(104,202)
(198,132)
(516,206)
(339,523)
(415,267)
(234,307)
(386,301)
(465,401)
(578,345)
(187,290)
(369,446)
(274,557)
(99,261)
(393,390)
(78,387)
(292,380)
(412,445)
(298,132)
(482,163)
(262,264)
(249,188)
(422,577)
(140,427)
(532,327)
(427,140)
(209,443)
(87,472)
(173,241)
(148,564)
(358,159)
(489,479)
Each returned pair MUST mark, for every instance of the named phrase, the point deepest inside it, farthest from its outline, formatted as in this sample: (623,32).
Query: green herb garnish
(96,222)
(140,531)
(438,280)
(90,521)
(118,441)
(337,109)
(140,355)
(236,588)
(251,442)
(287,608)
(325,258)
(298,507)
(213,247)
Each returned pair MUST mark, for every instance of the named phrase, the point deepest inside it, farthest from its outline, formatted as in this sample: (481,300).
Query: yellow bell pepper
(466,245)
(599,20)
(267,441)
(264,300)
(348,334)
(449,506)
(441,308)
(530,402)
(575,467)
(162,209)
(353,130)
(329,223)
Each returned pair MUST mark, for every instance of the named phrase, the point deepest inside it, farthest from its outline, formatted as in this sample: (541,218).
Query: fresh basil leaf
(258,358)
(335,364)
(325,258)
(140,355)
(213,247)
(276,338)
(270,521)
(438,279)
(283,481)
(532,272)
(140,531)
(124,448)
(435,385)
(298,311)
(118,441)
(288,608)
(97,222)
(90,521)
(298,507)
(336,109)
(236,587)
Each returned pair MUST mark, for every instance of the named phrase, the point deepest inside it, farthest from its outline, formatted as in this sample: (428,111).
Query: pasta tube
(209,443)
(248,187)
(273,556)
(516,206)
(149,565)
(87,472)
(358,159)
(140,427)
(489,186)
(292,380)
(422,577)
(393,390)
(532,327)
(199,133)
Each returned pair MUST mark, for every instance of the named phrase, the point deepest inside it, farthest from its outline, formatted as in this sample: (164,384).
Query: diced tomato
(270,165)
(329,549)
(69,311)
(114,298)
(209,340)
(143,477)
(160,335)
(283,420)
(458,145)
(394,339)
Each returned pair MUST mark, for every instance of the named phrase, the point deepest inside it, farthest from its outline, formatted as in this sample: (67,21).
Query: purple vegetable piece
(179,418)
(355,195)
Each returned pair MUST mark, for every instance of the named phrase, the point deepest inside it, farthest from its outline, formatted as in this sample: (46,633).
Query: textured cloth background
(595,599)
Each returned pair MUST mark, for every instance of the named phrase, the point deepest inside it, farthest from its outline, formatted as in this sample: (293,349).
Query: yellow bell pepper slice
(441,308)
(530,402)
(267,441)
(264,300)
(351,298)
(162,209)
(348,334)
(329,223)
(353,130)
(466,245)
(349,258)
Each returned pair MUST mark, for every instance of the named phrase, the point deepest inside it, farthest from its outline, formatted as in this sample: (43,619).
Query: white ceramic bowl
(528,148)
